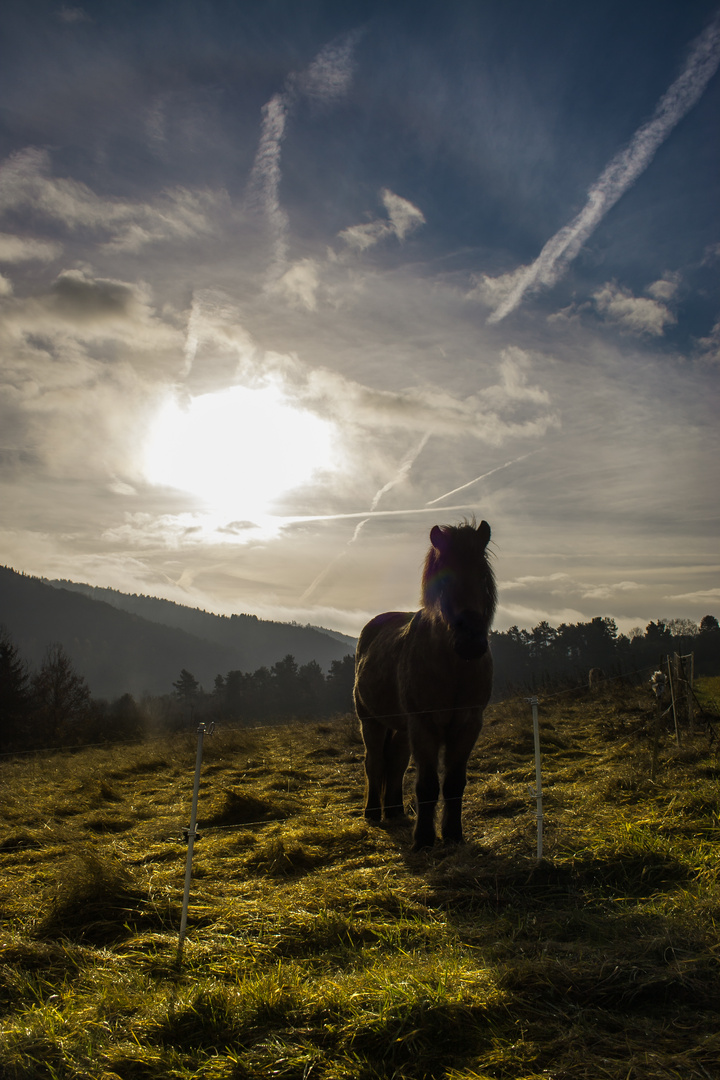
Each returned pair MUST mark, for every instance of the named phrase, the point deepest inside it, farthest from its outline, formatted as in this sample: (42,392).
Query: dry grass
(321,947)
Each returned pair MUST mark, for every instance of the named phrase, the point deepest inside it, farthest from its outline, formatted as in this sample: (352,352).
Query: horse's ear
(437,537)
(484,532)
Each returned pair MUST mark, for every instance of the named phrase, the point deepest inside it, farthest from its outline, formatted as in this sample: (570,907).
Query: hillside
(255,639)
(320,947)
(122,651)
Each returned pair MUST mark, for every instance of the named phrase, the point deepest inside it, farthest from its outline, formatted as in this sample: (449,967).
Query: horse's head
(459,585)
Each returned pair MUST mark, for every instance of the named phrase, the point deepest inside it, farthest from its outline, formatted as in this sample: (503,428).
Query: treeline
(547,655)
(284,690)
(52,706)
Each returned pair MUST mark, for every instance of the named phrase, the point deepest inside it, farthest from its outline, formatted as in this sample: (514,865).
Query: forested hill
(120,651)
(258,640)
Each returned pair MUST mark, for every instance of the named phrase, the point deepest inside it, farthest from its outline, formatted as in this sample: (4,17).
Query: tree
(542,638)
(339,685)
(310,689)
(285,680)
(187,689)
(62,694)
(709,624)
(15,692)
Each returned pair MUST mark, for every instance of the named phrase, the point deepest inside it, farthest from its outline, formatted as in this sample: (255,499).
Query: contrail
(478,479)
(403,471)
(621,172)
(324,80)
(405,466)
(367,514)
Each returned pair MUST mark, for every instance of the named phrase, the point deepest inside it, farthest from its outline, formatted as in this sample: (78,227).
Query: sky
(283,285)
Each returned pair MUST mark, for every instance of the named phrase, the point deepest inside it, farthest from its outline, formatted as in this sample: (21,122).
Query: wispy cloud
(324,81)
(507,291)
(638,314)
(402,219)
(15,249)
(27,182)
(710,346)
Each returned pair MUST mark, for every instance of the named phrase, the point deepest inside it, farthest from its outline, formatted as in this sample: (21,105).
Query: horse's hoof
(423,843)
(374,814)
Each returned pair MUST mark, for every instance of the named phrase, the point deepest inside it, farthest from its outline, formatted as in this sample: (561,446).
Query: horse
(422,681)
(596,678)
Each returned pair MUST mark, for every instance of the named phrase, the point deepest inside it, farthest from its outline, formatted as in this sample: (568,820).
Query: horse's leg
(425,742)
(373,733)
(396,754)
(461,736)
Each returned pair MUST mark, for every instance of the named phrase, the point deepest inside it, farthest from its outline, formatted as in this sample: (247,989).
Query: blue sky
(282,285)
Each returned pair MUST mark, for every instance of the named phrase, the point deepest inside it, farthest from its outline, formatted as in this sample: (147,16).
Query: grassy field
(320,947)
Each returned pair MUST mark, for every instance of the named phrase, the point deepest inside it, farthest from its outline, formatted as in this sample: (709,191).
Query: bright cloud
(299,284)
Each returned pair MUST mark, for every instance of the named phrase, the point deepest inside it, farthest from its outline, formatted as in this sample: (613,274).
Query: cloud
(72,15)
(81,308)
(299,284)
(82,363)
(616,178)
(26,182)
(665,288)
(709,347)
(710,595)
(508,408)
(637,314)
(215,327)
(564,585)
(328,77)
(14,249)
(6,287)
(403,218)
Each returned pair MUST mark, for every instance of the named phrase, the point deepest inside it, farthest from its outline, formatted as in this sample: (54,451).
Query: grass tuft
(96,901)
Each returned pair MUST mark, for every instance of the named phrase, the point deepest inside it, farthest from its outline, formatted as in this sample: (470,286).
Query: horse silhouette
(422,681)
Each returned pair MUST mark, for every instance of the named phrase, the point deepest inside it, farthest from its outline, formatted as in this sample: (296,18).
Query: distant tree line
(53,705)
(548,655)
(279,692)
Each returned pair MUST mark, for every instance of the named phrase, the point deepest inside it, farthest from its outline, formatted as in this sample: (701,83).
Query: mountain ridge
(119,650)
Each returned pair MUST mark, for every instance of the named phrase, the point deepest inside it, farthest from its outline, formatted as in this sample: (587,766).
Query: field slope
(319,947)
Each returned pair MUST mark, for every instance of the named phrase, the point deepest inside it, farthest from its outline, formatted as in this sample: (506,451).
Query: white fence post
(191,835)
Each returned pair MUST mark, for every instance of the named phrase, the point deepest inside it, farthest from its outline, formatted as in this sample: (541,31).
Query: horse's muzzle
(469,635)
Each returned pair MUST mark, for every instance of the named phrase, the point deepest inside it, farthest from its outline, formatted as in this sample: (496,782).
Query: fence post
(658,684)
(191,836)
(538,777)
(673,692)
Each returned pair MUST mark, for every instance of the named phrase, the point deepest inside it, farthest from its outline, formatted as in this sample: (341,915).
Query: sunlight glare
(238,449)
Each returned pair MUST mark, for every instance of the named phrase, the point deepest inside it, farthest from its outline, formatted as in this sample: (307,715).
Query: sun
(238,450)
